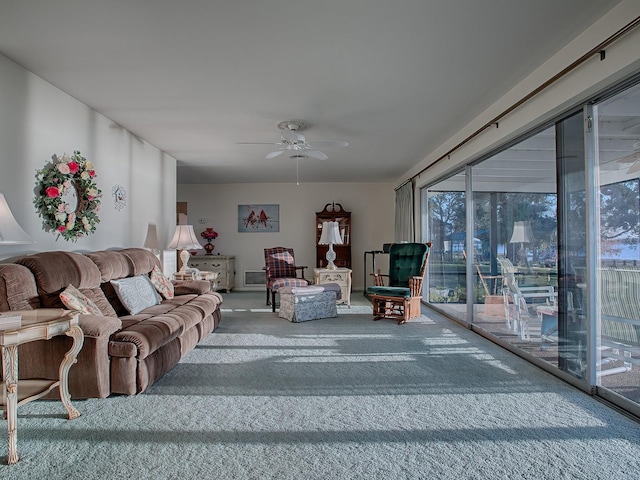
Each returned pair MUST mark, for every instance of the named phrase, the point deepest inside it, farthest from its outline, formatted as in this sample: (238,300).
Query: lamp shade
(10,232)
(151,241)
(330,234)
(184,238)
(521,233)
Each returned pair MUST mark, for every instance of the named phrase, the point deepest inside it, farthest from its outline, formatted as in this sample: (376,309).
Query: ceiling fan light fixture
(294,125)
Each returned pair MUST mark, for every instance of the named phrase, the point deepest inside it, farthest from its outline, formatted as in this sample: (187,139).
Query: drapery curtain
(404,213)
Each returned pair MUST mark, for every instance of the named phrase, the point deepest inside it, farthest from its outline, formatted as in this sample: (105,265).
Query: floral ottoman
(300,304)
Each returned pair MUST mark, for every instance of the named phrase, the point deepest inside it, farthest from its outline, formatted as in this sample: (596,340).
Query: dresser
(223,265)
(341,276)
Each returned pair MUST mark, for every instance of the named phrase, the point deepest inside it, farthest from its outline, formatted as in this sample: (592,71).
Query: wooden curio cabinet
(333,212)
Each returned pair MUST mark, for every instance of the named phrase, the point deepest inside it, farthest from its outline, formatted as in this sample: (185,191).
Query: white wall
(38,120)
(371,204)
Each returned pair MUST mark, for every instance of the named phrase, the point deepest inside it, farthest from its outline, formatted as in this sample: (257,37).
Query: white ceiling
(394,78)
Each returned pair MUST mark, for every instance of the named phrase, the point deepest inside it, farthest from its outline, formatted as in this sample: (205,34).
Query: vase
(209,247)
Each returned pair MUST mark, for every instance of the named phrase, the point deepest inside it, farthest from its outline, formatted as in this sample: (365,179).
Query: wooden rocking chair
(401,299)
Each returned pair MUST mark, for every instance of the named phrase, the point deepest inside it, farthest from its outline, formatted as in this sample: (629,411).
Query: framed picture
(258,218)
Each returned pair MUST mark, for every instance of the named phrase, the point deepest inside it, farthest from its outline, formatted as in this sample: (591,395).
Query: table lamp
(330,235)
(522,234)
(10,232)
(184,239)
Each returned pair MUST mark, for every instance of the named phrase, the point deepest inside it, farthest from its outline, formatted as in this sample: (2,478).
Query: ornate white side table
(341,276)
(41,324)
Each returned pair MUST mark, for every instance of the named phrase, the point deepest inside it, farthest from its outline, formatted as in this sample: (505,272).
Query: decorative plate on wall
(119,197)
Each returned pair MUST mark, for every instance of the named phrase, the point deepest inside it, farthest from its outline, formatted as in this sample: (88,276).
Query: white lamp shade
(521,233)
(151,242)
(10,232)
(184,238)
(330,234)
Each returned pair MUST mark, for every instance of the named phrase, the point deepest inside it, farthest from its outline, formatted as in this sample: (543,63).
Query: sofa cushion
(142,260)
(17,288)
(189,287)
(111,264)
(148,334)
(74,299)
(54,271)
(162,283)
(136,293)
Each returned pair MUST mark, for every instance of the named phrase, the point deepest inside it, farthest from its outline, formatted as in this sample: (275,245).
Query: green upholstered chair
(400,299)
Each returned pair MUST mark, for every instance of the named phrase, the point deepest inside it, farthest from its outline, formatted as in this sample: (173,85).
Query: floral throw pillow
(74,299)
(162,283)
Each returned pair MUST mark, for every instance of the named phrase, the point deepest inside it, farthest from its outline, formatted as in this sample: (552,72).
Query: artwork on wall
(258,218)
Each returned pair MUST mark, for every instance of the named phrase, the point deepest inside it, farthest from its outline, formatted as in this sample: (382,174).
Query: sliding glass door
(618,252)
(553,259)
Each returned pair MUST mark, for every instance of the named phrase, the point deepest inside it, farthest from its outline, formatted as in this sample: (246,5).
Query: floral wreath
(62,176)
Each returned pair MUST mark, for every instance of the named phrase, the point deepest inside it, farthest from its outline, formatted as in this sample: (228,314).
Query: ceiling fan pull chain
(297,178)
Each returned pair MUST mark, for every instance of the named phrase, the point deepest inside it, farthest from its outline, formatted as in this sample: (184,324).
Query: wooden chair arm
(415,286)
(301,268)
(378,279)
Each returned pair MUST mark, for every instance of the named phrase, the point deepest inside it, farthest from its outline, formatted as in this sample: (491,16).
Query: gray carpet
(339,398)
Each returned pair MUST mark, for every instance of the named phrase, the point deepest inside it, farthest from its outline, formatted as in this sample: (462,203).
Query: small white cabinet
(341,276)
(223,265)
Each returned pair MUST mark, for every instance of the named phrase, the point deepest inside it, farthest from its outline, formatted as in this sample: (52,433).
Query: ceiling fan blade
(328,143)
(292,137)
(257,143)
(635,168)
(274,154)
(315,154)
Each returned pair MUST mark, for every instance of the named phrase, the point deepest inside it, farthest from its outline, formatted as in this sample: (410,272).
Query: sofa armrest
(98,325)
(187,287)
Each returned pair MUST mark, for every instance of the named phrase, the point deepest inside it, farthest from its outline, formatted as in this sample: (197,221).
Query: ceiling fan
(633,159)
(294,142)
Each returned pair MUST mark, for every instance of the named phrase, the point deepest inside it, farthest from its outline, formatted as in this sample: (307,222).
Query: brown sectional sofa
(122,353)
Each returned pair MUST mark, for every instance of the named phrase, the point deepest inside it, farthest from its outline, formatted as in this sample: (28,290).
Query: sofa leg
(273,301)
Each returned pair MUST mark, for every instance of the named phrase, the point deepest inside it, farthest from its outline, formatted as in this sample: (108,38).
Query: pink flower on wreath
(73,167)
(63,168)
(62,228)
(92,173)
(52,192)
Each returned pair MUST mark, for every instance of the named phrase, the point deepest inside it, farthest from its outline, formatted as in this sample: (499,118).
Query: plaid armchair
(281,272)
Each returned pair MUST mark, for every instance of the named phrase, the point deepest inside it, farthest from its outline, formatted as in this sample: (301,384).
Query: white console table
(40,324)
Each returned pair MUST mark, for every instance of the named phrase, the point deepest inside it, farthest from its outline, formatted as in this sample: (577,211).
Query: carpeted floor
(339,398)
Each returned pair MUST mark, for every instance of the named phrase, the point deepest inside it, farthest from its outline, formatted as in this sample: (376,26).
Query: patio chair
(281,271)
(401,298)
(520,303)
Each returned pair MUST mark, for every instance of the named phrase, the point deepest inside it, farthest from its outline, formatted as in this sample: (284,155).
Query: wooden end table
(40,324)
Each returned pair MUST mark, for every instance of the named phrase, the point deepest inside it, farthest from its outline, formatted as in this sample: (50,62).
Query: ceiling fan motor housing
(294,125)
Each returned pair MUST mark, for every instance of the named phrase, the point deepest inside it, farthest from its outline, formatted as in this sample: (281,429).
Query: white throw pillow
(136,293)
